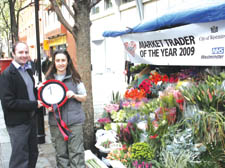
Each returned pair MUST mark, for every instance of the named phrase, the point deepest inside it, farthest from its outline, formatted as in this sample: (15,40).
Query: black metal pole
(40,115)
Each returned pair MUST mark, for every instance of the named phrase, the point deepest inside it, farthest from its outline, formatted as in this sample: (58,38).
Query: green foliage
(157,135)
(107,126)
(168,101)
(116,97)
(208,95)
(209,130)
(137,68)
(150,107)
(213,157)
(4,20)
(142,151)
(208,127)
(155,89)
(170,160)
(179,141)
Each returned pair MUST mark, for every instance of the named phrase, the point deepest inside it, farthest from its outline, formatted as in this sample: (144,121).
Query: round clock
(53,92)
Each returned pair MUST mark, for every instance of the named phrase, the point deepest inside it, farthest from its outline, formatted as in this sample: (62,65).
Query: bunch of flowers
(190,73)
(122,154)
(176,94)
(156,134)
(111,107)
(135,94)
(133,104)
(106,143)
(171,104)
(103,121)
(129,134)
(208,96)
(132,107)
(142,152)
(166,113)
(154,84)
(143,164)
(156,77)
(119,116)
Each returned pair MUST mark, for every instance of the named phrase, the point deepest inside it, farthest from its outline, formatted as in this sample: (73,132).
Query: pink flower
(104,120)
(126,104)
(111,107)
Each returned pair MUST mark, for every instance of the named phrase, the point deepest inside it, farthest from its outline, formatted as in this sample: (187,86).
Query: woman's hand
(70,94)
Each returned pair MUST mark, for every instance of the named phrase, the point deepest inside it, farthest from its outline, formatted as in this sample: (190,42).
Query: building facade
(107,54)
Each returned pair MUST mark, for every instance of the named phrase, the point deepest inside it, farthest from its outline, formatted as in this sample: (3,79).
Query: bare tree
(80,31)
(15,7)
(4,21)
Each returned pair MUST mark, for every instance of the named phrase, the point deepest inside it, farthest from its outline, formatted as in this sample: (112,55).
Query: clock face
(53,92)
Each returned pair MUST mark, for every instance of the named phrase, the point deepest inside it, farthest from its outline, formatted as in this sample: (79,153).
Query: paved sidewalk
(46,157)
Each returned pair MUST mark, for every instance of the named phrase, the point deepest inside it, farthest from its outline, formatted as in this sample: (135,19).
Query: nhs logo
(218,50)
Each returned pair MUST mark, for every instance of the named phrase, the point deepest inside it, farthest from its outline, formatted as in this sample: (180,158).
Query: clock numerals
(50,89)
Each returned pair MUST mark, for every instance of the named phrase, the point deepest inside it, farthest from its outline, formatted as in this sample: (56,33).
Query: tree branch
(4,17)
(20,9)
(67,8)
(60,17)
(93,3)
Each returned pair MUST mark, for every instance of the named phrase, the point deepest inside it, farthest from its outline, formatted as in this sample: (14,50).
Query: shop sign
(46,45)
(199,44)
(57,41)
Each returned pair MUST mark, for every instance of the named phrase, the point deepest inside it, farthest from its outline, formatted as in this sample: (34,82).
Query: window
(95,10)
(108,4)
(126,1)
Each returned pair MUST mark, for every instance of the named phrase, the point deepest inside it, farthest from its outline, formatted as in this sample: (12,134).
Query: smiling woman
(72,114)
(61,63)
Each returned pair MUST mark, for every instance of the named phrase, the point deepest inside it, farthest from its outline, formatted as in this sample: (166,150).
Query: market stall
(172,114)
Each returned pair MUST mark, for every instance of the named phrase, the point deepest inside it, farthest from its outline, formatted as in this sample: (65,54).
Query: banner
(194,44)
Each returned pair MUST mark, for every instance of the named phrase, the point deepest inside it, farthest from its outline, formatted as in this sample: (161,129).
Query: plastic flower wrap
(176,97)
(104,138)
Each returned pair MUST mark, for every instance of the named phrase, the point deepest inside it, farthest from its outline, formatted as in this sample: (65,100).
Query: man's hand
(39,85)
(40,103)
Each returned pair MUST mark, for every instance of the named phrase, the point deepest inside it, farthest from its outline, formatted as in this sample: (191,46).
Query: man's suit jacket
(15,101)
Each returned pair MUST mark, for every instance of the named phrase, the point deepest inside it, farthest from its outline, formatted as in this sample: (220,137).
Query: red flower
(153,136)
(210,96)
(165,78)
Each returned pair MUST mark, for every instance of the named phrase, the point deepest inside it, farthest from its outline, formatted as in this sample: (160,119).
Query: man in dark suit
(19,105)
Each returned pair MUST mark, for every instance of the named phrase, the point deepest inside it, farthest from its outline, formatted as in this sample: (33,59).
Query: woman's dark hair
(70,70)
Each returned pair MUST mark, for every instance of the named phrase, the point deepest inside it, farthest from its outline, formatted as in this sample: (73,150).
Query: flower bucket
(169,112)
